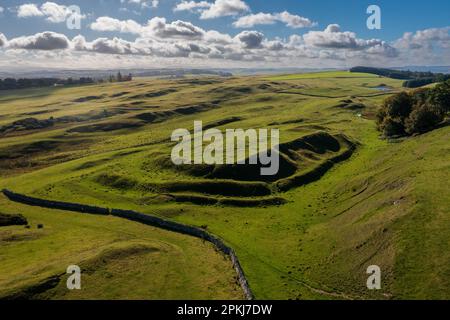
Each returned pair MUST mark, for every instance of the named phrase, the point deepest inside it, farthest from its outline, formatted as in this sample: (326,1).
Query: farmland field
(344,198)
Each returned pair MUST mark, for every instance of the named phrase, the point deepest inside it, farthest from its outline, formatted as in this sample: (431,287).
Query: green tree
(420,96)
(398,106)
(440,97)
(422,119)
(392,127)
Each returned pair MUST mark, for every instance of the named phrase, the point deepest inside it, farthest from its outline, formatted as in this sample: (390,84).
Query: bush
(420,96)
(392,127)
(422,119)
(398,106)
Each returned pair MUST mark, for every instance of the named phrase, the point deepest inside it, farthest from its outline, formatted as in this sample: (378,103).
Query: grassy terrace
(109,145)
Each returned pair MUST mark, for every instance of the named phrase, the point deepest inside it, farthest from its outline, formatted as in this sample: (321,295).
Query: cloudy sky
(221,33)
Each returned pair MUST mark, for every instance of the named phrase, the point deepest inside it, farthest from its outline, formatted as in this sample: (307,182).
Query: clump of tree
(120,78)
(416,112)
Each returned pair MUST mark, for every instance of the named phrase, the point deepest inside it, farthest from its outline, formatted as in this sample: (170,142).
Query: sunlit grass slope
(386,205)
(119,260)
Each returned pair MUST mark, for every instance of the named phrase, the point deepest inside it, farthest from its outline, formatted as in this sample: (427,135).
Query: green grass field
(109,145)
(119,259)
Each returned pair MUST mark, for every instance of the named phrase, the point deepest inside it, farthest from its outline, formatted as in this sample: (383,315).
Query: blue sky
(304,44)
(397,16)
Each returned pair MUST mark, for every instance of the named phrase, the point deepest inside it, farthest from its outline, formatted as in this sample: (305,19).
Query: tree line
(413,79)
(26,83)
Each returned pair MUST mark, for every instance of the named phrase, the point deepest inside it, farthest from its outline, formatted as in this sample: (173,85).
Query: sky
(104,34)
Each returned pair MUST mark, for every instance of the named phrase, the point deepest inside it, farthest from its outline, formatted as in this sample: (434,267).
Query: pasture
(344,199)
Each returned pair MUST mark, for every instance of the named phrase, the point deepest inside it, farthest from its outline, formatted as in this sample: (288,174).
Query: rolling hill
(344,198)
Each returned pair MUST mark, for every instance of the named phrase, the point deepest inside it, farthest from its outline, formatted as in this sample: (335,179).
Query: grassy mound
(295,156)
(233,202)
(89,98)
(105,127)
(350,105)
(154,94)
(213,187)
(160,116)
(302,161)
(203,192)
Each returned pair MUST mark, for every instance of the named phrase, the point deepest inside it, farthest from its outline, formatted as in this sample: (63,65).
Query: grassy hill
(345,199)
(119,260)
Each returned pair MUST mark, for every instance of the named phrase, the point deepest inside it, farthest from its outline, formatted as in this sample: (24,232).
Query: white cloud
(291,20)
(214,36)
(332,37)
(143,3)
(170,42)
(106,46)
(191,5)
(255,19)
(79,43)
(176,29)
(157,27)
(275,45)
(140,47)
(383,49)
(250,39)
(29,10)
(112,46)
(53,12)
(294,21)
(425,39)
(223,8)
(111,24)
(3,40)
(1,9)
(216,9)
(41,41)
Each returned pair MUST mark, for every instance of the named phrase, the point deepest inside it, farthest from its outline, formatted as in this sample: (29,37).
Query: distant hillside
(414,79)
(105,73)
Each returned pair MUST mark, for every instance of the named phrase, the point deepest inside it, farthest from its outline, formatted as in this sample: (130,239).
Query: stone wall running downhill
(145,219)
(55,204)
